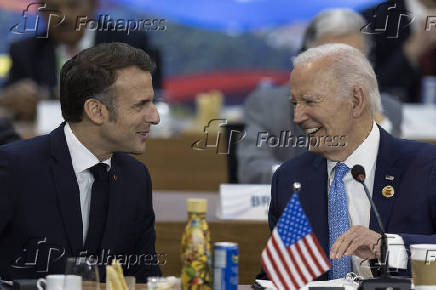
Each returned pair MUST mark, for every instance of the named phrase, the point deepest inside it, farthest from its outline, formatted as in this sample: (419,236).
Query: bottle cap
(196,205)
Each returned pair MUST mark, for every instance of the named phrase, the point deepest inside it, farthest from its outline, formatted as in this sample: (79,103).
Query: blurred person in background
(404,51)
(268,111)
(36,62)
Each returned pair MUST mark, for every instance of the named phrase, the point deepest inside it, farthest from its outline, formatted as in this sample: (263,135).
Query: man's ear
(360,101)
(96,111)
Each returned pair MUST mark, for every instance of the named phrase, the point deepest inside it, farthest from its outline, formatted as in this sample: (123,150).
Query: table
(171,217)
(251,237)
(144,287)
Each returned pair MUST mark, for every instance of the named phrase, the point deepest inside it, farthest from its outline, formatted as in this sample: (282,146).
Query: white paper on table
(347,284)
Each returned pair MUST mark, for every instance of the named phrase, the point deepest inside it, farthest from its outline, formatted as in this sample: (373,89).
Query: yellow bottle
(195,251)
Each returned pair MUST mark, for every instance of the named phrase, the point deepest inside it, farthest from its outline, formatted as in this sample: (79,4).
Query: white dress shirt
(359,208)
(82,159)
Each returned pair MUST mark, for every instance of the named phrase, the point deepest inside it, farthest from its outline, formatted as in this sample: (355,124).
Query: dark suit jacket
(411,212)
(40,211)
(7,132)
(34,58)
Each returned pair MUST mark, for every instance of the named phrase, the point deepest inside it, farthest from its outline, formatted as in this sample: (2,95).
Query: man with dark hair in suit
(36,62)
(334,92)
(73,192)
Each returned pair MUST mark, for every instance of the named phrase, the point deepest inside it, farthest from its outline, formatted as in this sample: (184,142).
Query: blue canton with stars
(293,225)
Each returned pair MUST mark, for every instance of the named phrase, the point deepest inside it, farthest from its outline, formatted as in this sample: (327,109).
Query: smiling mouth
(145,134)
(311,131)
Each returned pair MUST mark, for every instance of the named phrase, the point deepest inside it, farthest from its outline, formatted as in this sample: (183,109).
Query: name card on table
(244,201)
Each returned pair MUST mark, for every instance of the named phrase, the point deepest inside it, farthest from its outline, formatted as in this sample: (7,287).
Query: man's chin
(138,150)
(320,150)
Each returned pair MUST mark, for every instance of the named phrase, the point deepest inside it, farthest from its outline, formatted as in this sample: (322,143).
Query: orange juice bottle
(195,251)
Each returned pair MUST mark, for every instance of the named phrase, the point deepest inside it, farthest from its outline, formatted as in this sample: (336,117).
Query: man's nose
(299,114)
(154,116)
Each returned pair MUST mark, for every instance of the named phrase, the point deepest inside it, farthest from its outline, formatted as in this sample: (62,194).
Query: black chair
(233,132)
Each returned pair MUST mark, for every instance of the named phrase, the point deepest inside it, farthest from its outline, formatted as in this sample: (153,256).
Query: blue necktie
(338,220)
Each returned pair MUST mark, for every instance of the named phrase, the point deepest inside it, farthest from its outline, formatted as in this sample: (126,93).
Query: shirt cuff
(398,256)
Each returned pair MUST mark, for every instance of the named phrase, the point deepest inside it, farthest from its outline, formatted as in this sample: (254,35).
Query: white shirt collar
(365,154)
(82,159)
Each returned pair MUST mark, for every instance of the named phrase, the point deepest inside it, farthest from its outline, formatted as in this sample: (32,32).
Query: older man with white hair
(268,114)
(334,93)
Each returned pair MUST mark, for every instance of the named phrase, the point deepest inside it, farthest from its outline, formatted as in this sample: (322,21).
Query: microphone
(385,280)
(358,173)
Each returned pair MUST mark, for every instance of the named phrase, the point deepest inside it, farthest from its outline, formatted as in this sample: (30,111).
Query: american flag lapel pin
(389,177)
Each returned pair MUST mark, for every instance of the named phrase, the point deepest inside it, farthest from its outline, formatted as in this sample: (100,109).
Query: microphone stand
(385,280)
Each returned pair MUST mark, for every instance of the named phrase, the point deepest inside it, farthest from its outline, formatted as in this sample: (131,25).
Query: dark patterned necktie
(98,208)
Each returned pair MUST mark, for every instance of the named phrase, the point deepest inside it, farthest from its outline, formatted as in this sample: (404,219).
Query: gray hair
(335,22)
(349,67)
(107,99)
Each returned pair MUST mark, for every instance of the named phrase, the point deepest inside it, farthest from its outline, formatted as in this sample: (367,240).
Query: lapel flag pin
(389,177)
(115,177)
(388,191)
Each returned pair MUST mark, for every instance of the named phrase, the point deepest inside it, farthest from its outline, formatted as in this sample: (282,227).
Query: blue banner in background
(240,15)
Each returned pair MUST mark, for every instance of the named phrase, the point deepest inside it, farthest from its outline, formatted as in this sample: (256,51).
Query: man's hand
(358,241)
(21,99)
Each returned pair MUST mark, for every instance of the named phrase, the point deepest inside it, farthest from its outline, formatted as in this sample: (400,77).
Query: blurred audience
(36,62)
(405,43)
(268,113)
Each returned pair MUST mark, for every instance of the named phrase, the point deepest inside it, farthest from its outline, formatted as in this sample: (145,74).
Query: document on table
(347,284)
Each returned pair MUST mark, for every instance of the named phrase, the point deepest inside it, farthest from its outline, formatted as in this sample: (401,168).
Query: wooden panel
(174,165)
(250,236)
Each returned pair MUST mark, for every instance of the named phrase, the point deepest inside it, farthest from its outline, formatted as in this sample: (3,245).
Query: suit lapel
(313,198)
(116,201)
(67,189)
(385,175)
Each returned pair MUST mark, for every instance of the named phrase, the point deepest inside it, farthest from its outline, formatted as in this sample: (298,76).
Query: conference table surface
(144,287)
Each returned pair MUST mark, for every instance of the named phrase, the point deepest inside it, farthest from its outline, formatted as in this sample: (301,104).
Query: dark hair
(92,72)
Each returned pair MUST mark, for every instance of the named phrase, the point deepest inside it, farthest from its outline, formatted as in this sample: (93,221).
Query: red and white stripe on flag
(295,266)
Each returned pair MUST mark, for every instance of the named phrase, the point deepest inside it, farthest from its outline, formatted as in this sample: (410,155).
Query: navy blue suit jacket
(411,212)
(41,221)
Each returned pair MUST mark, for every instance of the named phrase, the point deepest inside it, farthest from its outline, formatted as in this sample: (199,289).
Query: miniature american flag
(293,257)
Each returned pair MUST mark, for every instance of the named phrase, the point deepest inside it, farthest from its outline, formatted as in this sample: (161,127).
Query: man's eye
(293,103)
(308,102)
